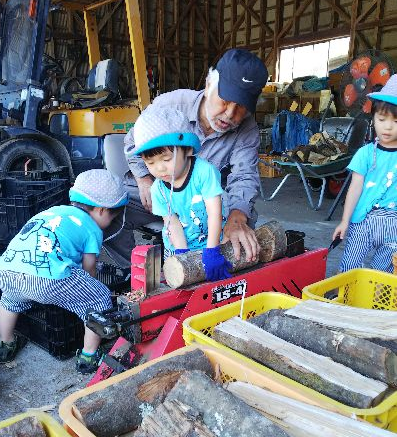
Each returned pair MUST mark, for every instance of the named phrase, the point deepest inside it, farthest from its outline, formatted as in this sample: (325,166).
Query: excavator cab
(85,129)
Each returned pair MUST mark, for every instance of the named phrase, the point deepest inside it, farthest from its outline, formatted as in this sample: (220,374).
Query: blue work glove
(215,265)
(179,251)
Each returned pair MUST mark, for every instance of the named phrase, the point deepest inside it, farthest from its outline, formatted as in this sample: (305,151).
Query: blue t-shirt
(52,242)
(202,182)
(380,183)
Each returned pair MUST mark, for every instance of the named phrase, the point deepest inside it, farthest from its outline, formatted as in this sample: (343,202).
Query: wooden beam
(353,24)
(109,15)
(335,5)
(192,39)
(278,24)
(315,15)
(220,20)
(205,22)
(311,38)
(257,17)
(234,20)
(379,16)
(185,12)
(296,17)
(335,15)
(236,26)
(177,43)
(370,9)
(290,22)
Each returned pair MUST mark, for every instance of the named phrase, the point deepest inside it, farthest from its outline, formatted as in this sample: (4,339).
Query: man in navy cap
(222,117)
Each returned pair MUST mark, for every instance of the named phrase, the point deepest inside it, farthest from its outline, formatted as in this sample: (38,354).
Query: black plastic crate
(59,331)
(21,199)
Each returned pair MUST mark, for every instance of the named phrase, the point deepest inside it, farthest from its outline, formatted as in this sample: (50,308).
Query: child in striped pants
(52,260)
(370,213)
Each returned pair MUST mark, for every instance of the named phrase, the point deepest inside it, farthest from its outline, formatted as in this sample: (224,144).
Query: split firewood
(359,354)
(187,268)
(300,419)
(365,323)
(120,407)
(27,427)
(315,371)
(173,419)
(221,412)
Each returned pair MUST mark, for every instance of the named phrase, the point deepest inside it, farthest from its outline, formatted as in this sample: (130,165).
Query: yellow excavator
(81,130)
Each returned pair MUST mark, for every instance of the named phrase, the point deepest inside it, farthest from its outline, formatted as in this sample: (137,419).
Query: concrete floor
(36,379)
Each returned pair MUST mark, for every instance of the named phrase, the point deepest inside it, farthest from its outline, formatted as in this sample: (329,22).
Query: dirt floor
(37,380)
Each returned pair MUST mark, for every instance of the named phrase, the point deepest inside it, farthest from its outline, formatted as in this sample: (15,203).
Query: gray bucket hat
(99,188)
(160,127)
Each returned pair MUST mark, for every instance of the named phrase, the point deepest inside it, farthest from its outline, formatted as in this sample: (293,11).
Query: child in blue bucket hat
(370,213)
(52,260)
(187,190)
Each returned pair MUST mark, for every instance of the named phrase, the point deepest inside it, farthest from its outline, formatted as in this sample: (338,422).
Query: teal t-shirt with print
(202,182)
(52,242)
(380,182)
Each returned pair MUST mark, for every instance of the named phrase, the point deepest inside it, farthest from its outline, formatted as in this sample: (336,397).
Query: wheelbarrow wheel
(334,185)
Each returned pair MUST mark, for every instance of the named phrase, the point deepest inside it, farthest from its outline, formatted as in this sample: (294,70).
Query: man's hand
(238,232)
(144,185)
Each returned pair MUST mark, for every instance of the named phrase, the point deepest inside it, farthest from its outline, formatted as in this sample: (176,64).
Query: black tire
(14,155)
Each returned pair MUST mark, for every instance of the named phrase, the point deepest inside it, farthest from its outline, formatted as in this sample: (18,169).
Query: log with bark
(361,322)
(315,371)
(359,354)
(119,408)
(187,268)
(300,419)
(221,412)
(27,427)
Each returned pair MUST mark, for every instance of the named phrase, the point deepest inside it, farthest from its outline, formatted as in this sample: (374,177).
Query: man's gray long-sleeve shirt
(236,149)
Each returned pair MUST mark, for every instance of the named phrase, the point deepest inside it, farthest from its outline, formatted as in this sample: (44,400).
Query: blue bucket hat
(242,75)
(99,188)
(388,93)
(161,127)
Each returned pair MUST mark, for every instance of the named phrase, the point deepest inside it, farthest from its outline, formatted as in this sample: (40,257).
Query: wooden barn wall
(183,38)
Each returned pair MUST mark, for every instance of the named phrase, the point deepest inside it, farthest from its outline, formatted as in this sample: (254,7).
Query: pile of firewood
(322,148)
(345,353)
(183,396)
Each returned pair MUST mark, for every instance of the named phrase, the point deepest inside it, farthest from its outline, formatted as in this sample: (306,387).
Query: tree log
(361,355)
(173,419)
(27,427)
(187,268)
(315,371)
(300,419)
(221,412)
(365,323)
(120,407)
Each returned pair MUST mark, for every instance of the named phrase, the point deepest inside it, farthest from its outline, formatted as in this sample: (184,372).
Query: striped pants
(378,231)
(77,293)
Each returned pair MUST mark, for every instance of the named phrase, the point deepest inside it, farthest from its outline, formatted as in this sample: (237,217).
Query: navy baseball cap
(242,75)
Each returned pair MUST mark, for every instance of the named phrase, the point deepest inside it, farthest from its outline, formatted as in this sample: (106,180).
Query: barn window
(313,59)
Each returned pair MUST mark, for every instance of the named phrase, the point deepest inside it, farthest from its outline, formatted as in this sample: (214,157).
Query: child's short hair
(383,108)
(159,150)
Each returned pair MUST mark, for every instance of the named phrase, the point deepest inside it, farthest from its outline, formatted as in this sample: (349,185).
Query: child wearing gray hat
(52,260)
(187,190)
(370,213)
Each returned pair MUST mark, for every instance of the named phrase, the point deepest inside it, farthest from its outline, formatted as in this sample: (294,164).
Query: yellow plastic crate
(362,288)
(51,426)
(199,328)
(228,366)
